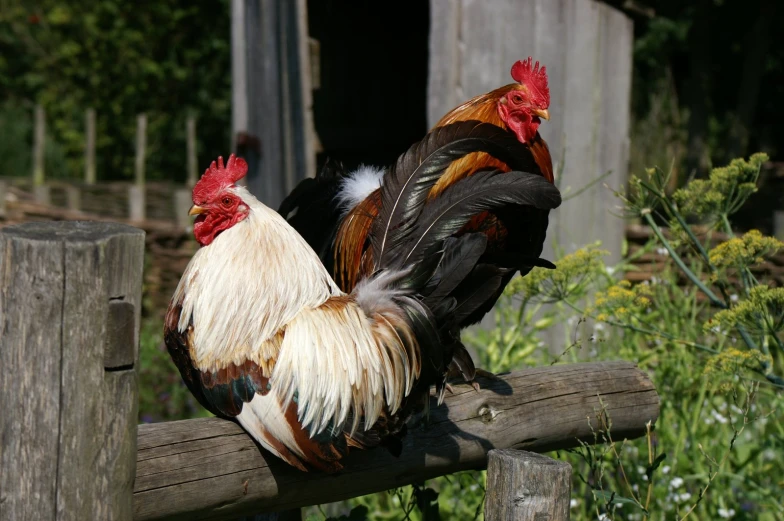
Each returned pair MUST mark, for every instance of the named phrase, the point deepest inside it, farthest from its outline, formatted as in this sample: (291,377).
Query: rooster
(262,334)
(336,211)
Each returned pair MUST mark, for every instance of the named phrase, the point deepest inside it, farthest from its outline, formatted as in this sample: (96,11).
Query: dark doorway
(371,104)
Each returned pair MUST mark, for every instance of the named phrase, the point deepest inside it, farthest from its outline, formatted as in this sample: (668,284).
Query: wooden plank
(275,134)
(307,84)
(615,71)
(91,416)
(239,71)
(210,469)
(89,147)
(523,486)
(39,145)
(444,90)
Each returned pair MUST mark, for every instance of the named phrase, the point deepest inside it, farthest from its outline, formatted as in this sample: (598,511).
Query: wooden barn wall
(587,48)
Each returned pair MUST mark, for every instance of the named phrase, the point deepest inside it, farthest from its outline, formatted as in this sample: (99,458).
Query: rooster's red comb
(534,78)
(217,177)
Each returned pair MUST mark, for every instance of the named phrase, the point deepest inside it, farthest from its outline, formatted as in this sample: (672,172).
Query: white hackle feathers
(259,293)
(242,289)
(357,185)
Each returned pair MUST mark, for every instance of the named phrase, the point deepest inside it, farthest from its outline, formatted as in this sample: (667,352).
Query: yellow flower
(744,251)
(724,191)
(732,361)
(571,273)
(762,311)
(622,300)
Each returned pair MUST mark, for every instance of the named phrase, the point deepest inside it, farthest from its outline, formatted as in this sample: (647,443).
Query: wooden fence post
(136,194)
(40,191)
(778,224)
(524,486)
(89,147)
(70,301)
(182,203)
(3,191)
(39,142)
(73,197)
(192,159)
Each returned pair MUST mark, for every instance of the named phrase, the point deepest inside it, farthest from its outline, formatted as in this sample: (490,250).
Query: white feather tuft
(358,185)
(377,293)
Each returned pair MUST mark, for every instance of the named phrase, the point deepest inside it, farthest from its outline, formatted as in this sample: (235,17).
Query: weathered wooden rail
(210,469)
(70,297)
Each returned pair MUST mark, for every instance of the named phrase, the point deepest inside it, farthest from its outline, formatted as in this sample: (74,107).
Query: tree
(163,58)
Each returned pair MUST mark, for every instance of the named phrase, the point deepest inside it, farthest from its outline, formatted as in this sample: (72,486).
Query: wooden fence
(70,303)
(132,201)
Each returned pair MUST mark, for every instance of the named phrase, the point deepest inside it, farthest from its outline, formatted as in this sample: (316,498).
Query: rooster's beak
(196,210)
(542,113)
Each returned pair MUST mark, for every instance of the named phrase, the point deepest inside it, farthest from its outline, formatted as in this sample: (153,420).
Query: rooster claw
(449,388)
(483,374)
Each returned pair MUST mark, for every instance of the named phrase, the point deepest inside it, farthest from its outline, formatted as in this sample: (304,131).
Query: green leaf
(655,465)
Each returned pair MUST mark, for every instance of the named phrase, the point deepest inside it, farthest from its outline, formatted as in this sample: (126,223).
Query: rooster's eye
(518,99)
(226,201)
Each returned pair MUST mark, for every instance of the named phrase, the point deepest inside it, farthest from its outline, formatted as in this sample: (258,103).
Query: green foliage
(162,394)
(167,59)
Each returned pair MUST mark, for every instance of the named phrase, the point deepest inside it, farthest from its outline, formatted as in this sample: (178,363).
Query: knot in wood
(487,413)
(522,496)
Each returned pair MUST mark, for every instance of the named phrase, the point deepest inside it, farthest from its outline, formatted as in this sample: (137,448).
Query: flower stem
(715,300)
(647,331)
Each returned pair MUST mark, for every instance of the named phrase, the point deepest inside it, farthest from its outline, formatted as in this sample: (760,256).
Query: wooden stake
(524,486)
(89,147)
(192,159)
(141,148)
(136,194)
(39,145)
(70,303)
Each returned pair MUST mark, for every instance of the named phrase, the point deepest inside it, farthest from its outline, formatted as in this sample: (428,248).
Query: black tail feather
(406,185)
(449,212)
